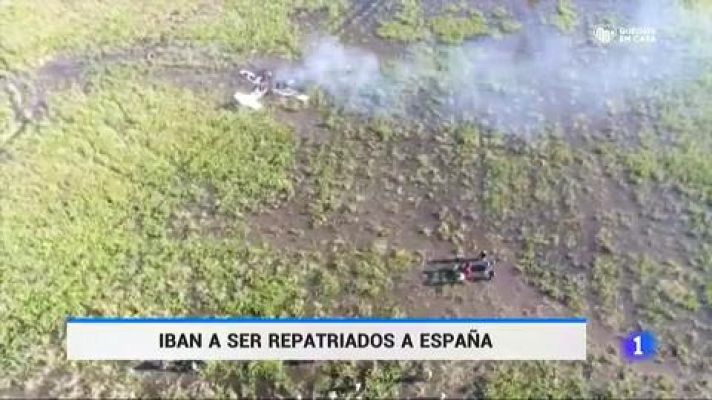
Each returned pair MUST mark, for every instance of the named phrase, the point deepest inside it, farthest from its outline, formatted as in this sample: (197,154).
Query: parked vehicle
(459,270)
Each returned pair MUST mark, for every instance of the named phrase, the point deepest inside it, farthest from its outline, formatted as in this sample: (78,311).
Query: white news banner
(325,339)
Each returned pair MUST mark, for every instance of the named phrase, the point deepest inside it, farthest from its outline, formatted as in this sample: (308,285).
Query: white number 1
(638,346)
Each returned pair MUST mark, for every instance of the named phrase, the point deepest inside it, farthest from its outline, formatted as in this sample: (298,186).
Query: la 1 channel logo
(638,346)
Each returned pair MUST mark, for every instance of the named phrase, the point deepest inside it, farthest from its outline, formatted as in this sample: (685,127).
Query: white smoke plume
(518,81)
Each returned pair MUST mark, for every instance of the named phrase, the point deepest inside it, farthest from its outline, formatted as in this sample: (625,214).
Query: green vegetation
(453,29)
(566,17)
(108,209)
(245,379)
(538,380)
(504,22)
(89,199)
(605,279)
(535,381)
(676,155)
(379,379)
(242,26)
(665,290)
(685,118)
(453,26)
(384,381)
(548,277)
(408,25)
(509,185)
(133,198)
(677,293)
(30,35)
(334,9)
(332,168)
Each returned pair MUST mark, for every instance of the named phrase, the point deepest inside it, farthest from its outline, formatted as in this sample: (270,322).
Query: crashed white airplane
(252,100)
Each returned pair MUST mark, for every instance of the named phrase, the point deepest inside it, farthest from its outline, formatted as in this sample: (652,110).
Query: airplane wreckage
(264,84)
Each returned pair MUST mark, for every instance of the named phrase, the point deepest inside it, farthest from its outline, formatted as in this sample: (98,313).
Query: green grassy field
(103,217)
(94,193)
(452,25)
(30,36)
(136,196)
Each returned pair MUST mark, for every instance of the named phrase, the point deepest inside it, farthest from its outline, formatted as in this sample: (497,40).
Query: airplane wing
(250,100)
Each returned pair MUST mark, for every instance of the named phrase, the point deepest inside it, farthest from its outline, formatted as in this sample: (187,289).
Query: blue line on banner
(218,320)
